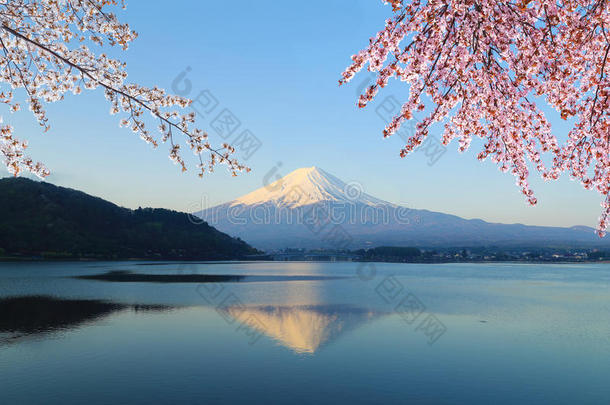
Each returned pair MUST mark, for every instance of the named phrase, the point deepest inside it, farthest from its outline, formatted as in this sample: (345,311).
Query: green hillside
(39,219)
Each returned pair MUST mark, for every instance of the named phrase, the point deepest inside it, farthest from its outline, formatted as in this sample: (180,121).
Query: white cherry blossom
(47,52)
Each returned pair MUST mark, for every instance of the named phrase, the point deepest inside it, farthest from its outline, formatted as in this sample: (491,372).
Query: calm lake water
(333,333)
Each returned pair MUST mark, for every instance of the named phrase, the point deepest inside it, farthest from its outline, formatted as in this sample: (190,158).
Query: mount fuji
(310,208)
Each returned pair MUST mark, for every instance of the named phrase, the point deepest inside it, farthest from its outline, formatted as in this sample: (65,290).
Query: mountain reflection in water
(304,329)
(33,315)
(301,328)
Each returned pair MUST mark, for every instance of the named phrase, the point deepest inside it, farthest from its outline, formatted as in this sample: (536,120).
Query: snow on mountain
(307,186)
(310,208)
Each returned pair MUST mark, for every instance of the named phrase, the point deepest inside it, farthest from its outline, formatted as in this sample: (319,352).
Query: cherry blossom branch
(478,63)
(34,37)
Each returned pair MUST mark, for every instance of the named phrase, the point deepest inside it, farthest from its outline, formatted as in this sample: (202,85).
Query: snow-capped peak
(305,186)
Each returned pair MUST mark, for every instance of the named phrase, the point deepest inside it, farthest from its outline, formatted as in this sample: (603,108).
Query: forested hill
(40,219)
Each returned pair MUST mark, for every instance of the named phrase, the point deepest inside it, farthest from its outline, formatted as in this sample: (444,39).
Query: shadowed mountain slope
(41,219)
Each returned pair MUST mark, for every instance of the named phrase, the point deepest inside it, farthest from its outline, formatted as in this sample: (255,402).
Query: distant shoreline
(85,260)
(211,261)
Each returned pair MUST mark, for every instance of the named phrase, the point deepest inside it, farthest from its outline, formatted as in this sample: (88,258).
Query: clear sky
(275,66)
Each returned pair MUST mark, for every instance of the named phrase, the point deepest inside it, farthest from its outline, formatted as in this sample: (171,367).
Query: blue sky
(275,65)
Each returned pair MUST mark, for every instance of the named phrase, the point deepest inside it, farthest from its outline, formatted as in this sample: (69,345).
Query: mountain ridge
(276,216)
(314,183)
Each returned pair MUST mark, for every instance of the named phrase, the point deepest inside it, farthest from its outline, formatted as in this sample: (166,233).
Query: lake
(304,332)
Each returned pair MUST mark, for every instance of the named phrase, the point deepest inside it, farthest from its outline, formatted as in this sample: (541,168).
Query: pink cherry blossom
(480,65)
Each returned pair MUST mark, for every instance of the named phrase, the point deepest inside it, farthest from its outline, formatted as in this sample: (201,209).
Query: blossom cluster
(46,50)
(481,65)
